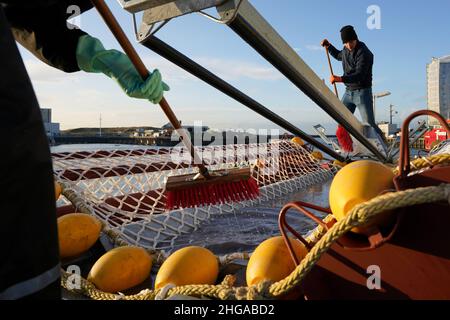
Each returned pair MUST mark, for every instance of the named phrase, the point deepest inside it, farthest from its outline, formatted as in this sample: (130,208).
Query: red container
(435,135)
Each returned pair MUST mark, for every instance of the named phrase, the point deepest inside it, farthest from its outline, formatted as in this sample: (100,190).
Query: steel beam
(260,35)
(202,73)
(160,10)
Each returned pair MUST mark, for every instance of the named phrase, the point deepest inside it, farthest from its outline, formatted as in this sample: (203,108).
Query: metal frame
(320,130)
(244,19)
(414,136)
(404,161)
(167,9)
(176,57)
(134,6)
(260,35)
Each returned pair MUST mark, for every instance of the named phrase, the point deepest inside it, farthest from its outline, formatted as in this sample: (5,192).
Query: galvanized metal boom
(245,20)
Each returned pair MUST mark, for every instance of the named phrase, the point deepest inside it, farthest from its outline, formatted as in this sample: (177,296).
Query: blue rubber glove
(93,57)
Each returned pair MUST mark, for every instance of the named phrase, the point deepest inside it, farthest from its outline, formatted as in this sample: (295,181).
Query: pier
(158,141)
(147,141)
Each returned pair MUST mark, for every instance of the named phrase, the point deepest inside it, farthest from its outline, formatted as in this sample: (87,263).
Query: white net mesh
(125,188)
(441,148)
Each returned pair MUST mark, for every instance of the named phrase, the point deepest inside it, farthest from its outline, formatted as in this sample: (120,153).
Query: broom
(344,138)
(197,189)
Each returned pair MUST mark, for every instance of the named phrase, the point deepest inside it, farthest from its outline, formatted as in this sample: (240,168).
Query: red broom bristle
(219,197)
(208,197)
(213,194)
(169,200)
(344,139)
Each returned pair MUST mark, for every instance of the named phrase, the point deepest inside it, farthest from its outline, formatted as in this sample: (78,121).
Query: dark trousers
(29,263)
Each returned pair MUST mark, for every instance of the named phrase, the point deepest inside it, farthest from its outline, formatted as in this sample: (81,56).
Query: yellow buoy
(259,164)
(317,155)
(339,164)
(190,265)
(58,190)
(77,232)
(271,260)
(357,183)
(121,269)
(298,141)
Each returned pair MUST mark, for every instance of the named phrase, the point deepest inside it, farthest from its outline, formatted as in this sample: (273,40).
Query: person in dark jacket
(29,266)
(357,61)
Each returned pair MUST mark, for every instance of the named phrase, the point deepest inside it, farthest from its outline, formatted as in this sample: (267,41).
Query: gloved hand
(93,57)
(325,43)
(334,79)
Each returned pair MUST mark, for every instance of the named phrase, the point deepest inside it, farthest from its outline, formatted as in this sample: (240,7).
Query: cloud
(170,72)
(224,68)
(237,69)
(77,99)
(40,72)
(313,47)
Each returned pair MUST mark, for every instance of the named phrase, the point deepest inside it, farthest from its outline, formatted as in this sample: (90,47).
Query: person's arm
(335,53)
(93,57)
(332,50)
(28,3)
(364,60)
(43,30)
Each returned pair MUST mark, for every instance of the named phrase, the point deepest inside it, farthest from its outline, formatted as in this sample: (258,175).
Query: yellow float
(317,155)
(272,261)
(339,164)
(77,232)
(121,269)
(190,265)
(357,183)
(58,190)
(298,141)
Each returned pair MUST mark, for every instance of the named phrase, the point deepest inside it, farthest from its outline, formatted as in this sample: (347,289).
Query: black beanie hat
(348,34)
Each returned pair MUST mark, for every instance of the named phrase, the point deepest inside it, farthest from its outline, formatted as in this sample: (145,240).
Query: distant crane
(100,129)
(377,96)
(391,113)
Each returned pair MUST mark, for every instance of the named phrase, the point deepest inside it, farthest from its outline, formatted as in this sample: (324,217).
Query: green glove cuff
(93,57)
(87,50)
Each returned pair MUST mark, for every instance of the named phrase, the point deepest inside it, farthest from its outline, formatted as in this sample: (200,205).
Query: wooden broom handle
(126,45)
(331,70)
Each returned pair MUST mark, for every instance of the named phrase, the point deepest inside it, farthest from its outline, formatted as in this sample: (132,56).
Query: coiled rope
(427,162)
(360,215)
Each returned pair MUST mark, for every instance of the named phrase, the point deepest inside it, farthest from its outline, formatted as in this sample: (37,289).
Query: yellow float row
(125,267)
(315,154)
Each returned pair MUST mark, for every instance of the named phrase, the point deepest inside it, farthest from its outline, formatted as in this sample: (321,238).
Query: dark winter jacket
(42,28)
(357,66)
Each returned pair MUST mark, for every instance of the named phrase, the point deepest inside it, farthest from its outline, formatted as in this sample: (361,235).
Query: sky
(410,33)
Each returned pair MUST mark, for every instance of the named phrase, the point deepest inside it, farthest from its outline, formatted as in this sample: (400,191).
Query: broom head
(344,139)
(222,186)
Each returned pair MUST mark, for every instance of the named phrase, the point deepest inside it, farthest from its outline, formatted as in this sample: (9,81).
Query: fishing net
(125,188)
(441,148)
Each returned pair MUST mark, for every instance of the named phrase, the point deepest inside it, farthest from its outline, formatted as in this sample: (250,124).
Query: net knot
(162,295)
